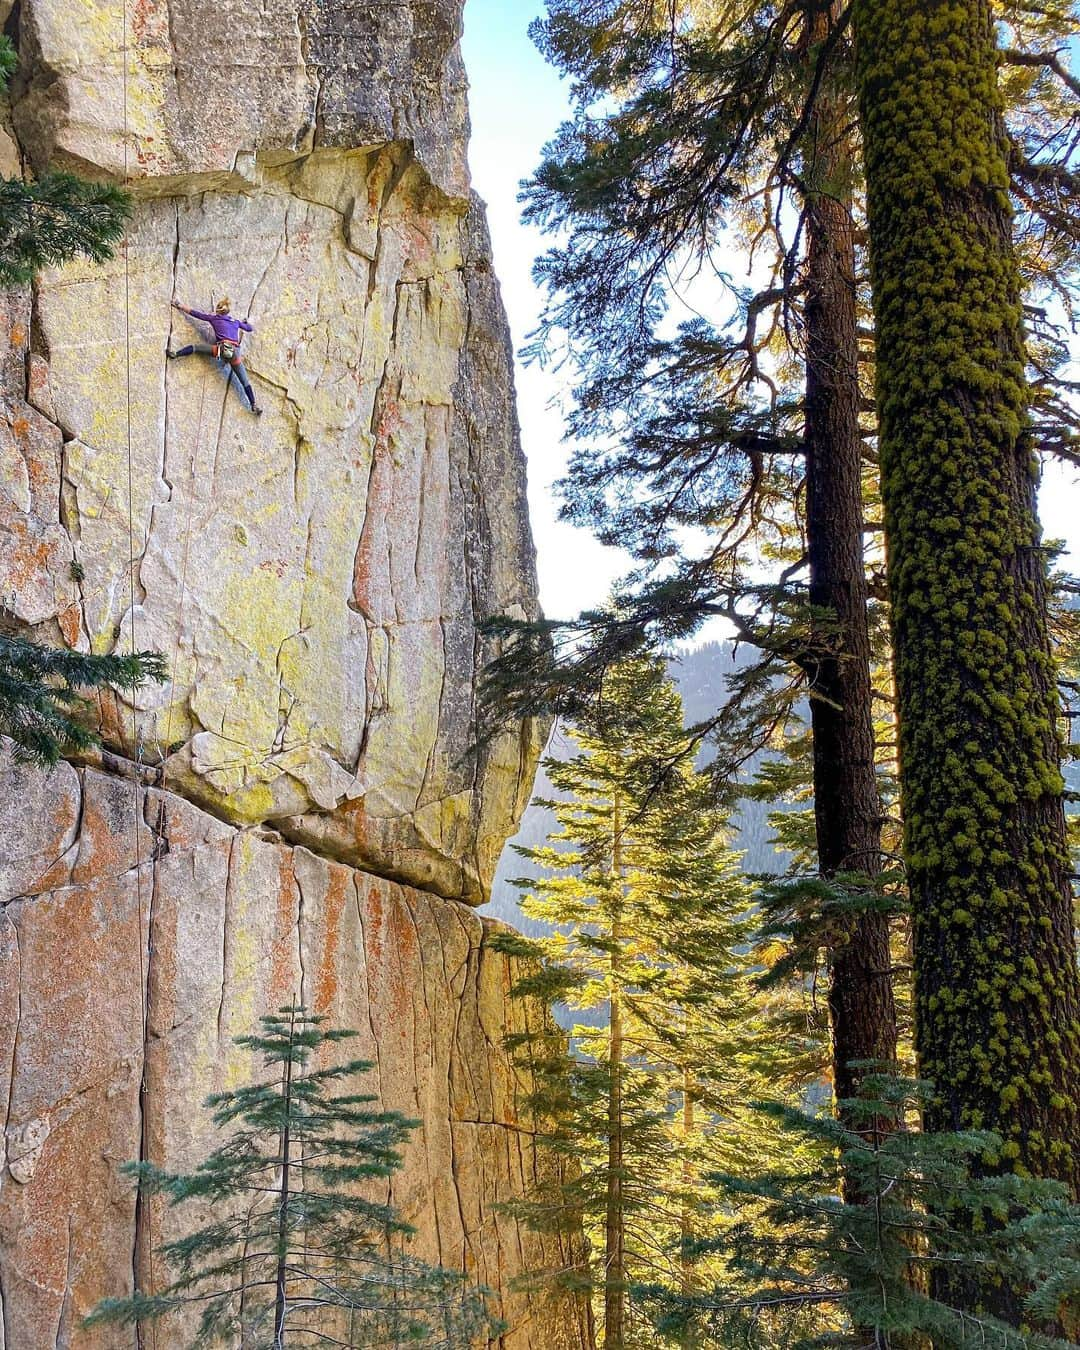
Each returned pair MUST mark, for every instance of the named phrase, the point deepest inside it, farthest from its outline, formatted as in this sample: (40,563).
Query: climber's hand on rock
(177,305)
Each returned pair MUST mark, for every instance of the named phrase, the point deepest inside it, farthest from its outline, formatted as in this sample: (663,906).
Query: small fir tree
(799,1253)
(295,1254)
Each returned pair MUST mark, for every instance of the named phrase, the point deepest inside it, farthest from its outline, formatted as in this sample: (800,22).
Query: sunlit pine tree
(648,914)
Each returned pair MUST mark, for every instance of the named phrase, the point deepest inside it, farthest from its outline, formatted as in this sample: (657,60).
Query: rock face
(316,576)
(303,809)
(229,922)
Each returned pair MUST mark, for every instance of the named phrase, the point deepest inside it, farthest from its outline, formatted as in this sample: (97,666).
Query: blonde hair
(222,306)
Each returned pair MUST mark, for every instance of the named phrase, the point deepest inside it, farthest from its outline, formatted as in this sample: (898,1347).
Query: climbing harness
(225,349)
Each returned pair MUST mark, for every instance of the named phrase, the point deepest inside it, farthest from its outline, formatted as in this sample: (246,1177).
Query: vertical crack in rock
(366,953)
(424,1002)
(367,988)
(7,919)
(302,999)
(308,132)
(166,475)
(471,993)
(226,929)
(63,1326)
(429,768)
(451,980)
(142,1247)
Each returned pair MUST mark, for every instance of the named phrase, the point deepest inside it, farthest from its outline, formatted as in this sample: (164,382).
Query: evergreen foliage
(692,139)
(797,1253)
(295,1253)
(57,218)
(41,694)
(648,915)
(44,224)
(9,60)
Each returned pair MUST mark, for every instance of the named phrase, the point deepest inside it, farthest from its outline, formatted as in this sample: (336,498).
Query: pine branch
(1013,56)
(60,217)
(40,699)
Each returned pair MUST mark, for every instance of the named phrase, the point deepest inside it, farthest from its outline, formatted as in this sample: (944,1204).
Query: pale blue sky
(517,102)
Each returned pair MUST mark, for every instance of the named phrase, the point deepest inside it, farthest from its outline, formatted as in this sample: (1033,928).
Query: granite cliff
(300,811)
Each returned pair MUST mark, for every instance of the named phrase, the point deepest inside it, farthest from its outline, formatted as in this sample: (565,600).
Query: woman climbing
(229,333)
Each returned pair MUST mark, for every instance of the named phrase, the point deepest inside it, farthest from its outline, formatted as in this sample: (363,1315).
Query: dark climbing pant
(205,349)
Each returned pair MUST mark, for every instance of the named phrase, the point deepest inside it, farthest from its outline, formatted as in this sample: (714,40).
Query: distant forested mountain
(701,675)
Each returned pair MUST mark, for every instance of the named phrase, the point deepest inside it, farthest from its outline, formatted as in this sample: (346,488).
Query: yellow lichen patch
(299,572)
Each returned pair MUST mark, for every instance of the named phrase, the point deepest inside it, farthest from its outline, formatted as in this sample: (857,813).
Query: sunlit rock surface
(317,577)
(97,1065)
(312,804)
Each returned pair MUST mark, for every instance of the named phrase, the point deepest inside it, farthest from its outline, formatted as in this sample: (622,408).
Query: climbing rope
(186,533)
(185,558)
(144,955)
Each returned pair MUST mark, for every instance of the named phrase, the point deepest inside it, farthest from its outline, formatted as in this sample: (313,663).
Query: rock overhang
(319,579)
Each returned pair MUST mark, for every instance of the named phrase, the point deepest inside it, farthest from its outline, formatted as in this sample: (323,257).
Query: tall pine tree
(716,111)
(647,915)
(847,802)
(997,990)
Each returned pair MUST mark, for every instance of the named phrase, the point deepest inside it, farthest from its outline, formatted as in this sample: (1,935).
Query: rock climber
(229,333)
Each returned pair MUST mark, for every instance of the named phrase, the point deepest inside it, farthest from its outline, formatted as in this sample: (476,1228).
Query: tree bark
(686,1264)
(997,993)
(614,1223)
(281,1284)
(847,806)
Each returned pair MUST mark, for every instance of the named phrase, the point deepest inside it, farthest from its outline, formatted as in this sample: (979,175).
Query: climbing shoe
(256,410)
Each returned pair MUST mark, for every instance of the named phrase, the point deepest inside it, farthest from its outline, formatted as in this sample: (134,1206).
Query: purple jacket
(226,328)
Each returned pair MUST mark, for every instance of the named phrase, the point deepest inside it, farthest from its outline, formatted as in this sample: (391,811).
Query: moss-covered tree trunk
(997,998)
(847,808)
